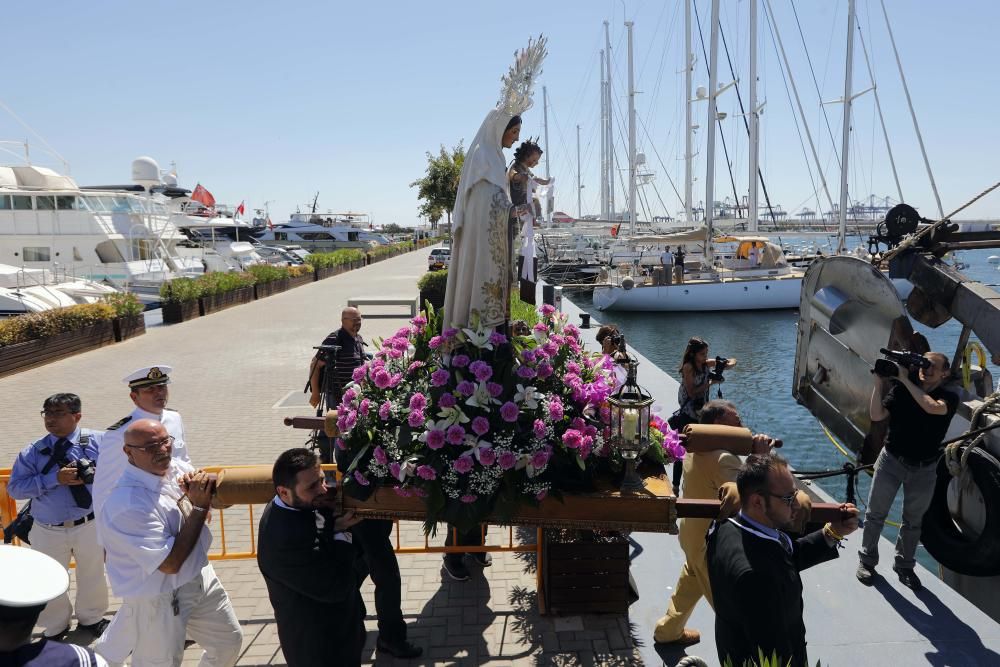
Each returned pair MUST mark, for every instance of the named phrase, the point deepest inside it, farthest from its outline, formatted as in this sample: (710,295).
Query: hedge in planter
(269,279)
(180,299)
(223,290)
(432,286)
(301,274)
(128,321)
(331,263)
(34,339)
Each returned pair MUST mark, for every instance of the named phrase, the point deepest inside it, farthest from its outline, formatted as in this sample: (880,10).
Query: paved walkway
(236,375)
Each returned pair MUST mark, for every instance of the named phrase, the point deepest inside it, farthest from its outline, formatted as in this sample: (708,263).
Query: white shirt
(139,524)
(343,536)
(667,259)
(112,459)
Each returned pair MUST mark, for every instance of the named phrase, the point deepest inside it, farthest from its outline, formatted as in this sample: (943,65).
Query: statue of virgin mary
(481,270)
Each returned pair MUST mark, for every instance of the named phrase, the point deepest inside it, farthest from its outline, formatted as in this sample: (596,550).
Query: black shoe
(865,574)
(59,636)
(96,629)
(908,578)
(456,569)
(403,649)
(482,559)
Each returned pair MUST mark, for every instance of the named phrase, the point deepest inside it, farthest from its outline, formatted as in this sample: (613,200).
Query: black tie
(81,494)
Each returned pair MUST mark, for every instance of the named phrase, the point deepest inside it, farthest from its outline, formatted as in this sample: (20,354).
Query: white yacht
(123,239)
(35,290)
(323,232)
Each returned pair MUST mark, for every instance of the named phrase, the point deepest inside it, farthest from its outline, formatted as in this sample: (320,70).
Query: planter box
(436,298)
(304,279)
(325,272)
(129,327)
(216,302)
(585,577)
(261,290)
(22,356)
(174,312)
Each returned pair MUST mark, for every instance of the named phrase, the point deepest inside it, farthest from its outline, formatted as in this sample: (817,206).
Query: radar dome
(145,172)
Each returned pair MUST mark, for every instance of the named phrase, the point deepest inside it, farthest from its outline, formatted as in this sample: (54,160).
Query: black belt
(917,463)
(69,524)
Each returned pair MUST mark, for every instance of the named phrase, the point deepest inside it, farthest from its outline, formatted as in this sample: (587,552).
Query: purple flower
(526,372)
(538,428)
(435,438)
(508,411)
(494,389)
(584,450)
(539,459)
(341,445)
(364,406)
(400,491)
(572,438)
(487,456)
(349,396)
(414,366)
(544,371)
(426,472)
(379,456)
(447,401)
(456,434)
(528,356)
(481,370)
(394,353)
(403,333)
(551,349)
(360,478)
(416,418)
(346,421)
(419,493)
(571,331)
(497,338)
(439,378)
(384,411)
(469,498)
(418,401)
(555,409)
(546,310)
(507,460)
(541,327)
(434,343)
(541,494)
(382,379)
(359,373)
(394,469)
(395,379)
(573,367)
(419,321)
(480,425)
(466,388)
(460,361)
(462,464)
(449,333)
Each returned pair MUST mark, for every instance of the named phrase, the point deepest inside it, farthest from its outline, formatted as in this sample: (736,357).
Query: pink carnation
(385,410)
(379,456)
(544,371)
(340,444)
(439,378)
(509,411)
(466,388)
(481,370)
(538,428)
(507,460)
(394,469)
(359,373)
(416,418)
(418,401)
(456,434)
(480,425)
(434,343)
(435,438)
(460,361)
(540,458)
(526,372)
(382,379)
(555,409)
(572,438)
(400,491)
(426,472)
(487,456)
(547,310)
(364,406)
(469,498)
(361,478)
(449,333)
(463,464)
(447,401)
(497,338)
(541,494)
(494,388)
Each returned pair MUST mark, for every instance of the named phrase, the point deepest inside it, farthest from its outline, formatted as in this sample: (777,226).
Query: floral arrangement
(476,423)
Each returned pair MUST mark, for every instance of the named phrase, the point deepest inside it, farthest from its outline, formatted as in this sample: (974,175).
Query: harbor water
(763,342)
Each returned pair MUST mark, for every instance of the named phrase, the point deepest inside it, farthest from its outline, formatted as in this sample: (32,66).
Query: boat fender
(969,554)
(628,283)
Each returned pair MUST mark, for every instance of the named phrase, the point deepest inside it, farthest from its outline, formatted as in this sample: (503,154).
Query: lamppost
(630,412)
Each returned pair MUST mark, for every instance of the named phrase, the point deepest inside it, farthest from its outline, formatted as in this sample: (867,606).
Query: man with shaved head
(350,355)
(156,543)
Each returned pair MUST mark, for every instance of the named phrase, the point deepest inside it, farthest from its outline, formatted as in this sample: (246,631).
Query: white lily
(480,339)
(528,396)
(478,446)
(453,416)
(408,469)
(434,426)
(541,337)
(481,398)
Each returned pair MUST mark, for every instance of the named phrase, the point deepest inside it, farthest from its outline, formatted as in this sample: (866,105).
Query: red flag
(269,225)
(240,210)
(203,196)
(614,230)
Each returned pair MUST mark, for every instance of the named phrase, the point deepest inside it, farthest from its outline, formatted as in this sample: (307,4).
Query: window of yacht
(70,203)
(45,203)
(280,236)
(108,252)
(315,236)
(21,202)
(5,204)
(36,254)
(119,204)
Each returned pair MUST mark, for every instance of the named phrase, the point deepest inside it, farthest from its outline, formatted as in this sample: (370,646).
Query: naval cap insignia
(154,373)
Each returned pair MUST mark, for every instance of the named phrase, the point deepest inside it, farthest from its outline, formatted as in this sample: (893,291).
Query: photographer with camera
(154,534)
(56,474)
(335,360)
(698,374)
(909,392)
(612,342)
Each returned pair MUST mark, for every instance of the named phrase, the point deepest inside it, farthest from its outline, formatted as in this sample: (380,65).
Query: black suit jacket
(757,592)
(313,589)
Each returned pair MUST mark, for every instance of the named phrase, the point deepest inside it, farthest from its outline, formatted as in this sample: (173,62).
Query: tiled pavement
(236,373)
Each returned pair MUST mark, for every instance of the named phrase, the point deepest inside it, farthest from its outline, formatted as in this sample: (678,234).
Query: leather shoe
(482,559)
(59,636)
(687,638)
(908,578)
(96,629)
(403,649)
(456,569)
(865,574)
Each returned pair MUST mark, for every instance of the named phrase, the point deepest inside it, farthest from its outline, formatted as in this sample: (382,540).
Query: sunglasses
(788,500)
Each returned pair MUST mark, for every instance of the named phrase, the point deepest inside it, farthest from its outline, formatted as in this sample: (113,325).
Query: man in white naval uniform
(148,390)
(156,541)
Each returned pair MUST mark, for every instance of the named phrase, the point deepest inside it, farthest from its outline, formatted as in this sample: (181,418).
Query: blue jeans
(918,490)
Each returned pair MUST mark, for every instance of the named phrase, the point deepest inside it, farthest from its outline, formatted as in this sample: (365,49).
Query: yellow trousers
(692,584)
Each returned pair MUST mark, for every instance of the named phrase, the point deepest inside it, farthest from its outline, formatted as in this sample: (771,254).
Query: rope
(911,241)
(836,444)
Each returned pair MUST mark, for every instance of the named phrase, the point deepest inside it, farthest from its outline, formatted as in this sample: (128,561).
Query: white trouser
(80,543)
(157,636)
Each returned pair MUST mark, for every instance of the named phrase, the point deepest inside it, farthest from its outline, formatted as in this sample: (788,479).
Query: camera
(715,375)
(327,353)
(85,469)
(889,366)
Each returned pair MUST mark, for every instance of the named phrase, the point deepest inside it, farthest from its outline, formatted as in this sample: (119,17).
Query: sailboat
(768,283)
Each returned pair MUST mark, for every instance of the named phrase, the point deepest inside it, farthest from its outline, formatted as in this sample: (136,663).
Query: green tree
(438,187)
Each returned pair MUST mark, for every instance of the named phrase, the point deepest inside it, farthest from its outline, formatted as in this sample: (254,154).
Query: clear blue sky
(261,101)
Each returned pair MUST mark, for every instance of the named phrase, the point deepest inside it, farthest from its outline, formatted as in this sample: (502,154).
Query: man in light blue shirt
(53,474)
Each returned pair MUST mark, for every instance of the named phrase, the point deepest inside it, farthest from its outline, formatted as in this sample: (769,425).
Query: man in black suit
(305,553)
(754,567)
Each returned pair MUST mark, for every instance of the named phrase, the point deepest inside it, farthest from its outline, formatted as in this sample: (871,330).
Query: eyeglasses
(54,413)
(169,440)
(788,500)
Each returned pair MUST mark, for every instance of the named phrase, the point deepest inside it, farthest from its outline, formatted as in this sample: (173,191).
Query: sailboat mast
(754,119)
(579,183)
(545,124)
(846,140)
(713,81)
(610,123)
(688,124)
(604,141)
(631,134)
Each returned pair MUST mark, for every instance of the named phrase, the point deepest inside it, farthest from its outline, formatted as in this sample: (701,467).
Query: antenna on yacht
(315,201)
